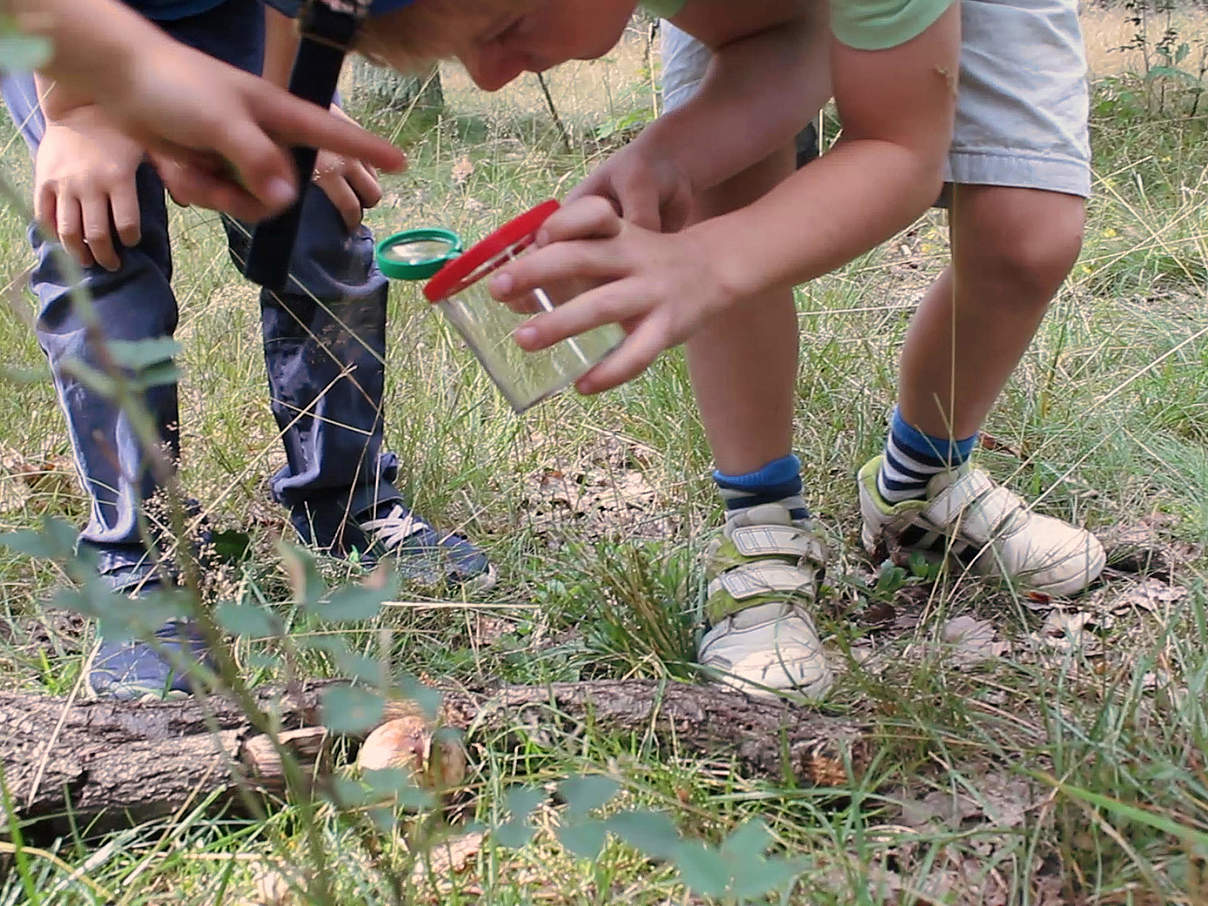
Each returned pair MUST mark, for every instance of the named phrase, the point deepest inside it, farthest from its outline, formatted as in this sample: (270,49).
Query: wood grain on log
(154,758)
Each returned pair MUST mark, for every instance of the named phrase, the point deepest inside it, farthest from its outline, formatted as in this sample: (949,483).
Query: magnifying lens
(417,254)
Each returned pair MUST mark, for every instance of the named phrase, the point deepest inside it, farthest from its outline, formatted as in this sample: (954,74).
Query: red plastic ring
(456,275)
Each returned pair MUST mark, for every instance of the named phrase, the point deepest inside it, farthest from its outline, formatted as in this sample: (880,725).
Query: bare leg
(744,363)
(1011,250)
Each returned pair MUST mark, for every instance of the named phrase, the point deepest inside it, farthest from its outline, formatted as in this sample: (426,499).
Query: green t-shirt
(665,9)
(862,24)
(880,24)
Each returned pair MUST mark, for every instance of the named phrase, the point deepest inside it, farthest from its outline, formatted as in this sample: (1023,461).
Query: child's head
(496,40)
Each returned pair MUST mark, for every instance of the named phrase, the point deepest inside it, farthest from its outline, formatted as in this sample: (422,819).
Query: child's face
(497,40)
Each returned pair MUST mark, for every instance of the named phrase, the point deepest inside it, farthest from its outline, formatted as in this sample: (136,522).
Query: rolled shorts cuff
(992,167)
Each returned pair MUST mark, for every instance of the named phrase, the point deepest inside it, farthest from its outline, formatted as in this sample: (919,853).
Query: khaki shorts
(1021,113)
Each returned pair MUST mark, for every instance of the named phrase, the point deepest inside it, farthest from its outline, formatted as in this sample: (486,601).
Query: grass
(1041,776)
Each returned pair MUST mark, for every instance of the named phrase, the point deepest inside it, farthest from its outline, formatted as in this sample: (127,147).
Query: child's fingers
(295,122)
(69,226)
(626,362)
(264,168)
(608,304)
(639,197)
(345,200)
(588,218)
(364,182)
(97,230)
(563,261)
(127,219)
(192,185)
(675,212)
(596,185)
(45,204)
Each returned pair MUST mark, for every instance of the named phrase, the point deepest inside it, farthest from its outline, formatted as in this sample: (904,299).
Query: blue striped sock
(913,458)
(779,481)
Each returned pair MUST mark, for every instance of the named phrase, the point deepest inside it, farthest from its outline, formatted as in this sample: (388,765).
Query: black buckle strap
(328,30)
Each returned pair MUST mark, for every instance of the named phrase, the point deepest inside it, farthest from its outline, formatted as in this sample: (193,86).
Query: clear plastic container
(459,290)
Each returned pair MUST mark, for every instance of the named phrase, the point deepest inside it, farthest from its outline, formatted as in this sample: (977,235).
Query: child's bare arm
(897,106)
(761,88)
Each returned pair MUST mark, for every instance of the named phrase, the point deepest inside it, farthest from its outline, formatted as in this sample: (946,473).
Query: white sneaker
(762,581)
(966,516)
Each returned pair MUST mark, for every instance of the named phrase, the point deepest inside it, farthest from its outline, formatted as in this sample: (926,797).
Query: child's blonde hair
(412,39)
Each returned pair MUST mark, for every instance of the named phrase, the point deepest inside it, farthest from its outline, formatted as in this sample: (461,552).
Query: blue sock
(913,458)
(779,481)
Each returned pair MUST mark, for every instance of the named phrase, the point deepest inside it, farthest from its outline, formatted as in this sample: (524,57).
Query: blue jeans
(324,346)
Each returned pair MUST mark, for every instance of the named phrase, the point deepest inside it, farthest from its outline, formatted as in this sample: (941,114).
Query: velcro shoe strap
(761,578)
(777,541)
(974,509)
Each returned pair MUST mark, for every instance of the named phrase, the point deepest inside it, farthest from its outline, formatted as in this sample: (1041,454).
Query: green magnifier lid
(417,254)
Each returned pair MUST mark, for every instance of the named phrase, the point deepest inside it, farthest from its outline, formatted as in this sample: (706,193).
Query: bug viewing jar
(459,290)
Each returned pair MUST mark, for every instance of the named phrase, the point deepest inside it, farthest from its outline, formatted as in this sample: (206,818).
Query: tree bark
(155,758)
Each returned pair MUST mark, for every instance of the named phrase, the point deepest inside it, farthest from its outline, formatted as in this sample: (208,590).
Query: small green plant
(645,606)
(1173,65)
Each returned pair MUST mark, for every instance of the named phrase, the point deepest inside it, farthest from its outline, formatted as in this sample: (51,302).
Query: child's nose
(491,69)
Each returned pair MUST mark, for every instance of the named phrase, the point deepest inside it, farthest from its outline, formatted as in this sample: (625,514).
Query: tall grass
(1037,777)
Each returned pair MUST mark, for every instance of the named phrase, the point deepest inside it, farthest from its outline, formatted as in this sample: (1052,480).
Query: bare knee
(1023,239)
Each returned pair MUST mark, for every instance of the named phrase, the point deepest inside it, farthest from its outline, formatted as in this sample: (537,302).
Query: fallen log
(146,759)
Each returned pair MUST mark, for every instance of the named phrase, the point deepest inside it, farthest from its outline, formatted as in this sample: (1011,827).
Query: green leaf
(21,53)
(138,355)
(92,378)
(56,540)
(351,710)
(164,374)
(346,793)
(24,375)
(1169,72)
(762,877)
(334,646)
(118,621)
(585,840)
(583,794)
(513,834)
(519,802)
(701,870)
(304,577)
(653,833)
(361,667)
(522,801)
(747,843)
(426,697)
(352,604)
(399,785)
(247,620)
(348,662)
(262,660)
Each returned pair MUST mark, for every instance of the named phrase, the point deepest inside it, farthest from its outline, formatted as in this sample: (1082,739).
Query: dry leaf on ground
(445,859)
(973,641)
(1150,595)
(996,800)
(603,493)
(1069,633)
